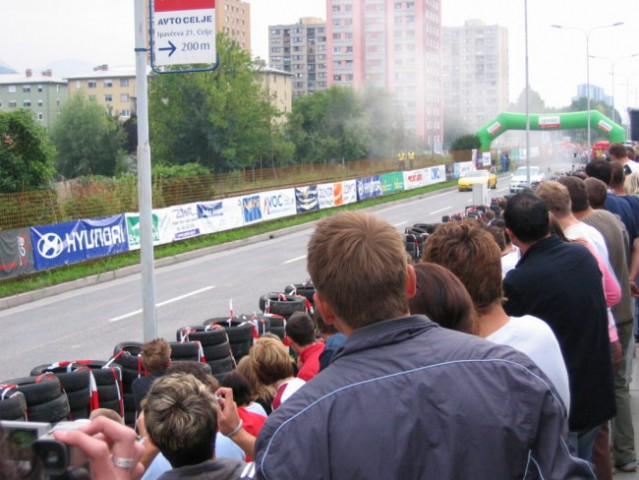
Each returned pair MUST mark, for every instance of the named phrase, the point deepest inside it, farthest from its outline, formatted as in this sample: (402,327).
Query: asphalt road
(87,323)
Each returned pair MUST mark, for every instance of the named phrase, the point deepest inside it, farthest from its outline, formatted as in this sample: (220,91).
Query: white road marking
(440,210)
(400,224)
(301,257)
(166,302)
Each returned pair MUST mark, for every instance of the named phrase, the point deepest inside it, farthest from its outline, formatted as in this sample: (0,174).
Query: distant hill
(4,68)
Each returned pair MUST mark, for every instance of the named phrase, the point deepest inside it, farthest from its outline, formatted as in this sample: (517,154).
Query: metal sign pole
(144,177)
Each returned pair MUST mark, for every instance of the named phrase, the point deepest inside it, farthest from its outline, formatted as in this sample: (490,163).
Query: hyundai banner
(278,203)
(306,199)
(369,187)
(220,215)
(76,241)
(16,253)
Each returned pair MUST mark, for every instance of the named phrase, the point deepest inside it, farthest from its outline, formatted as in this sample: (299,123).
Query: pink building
(392,44)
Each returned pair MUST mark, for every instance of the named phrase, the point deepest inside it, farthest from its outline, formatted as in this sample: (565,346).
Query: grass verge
(69,273)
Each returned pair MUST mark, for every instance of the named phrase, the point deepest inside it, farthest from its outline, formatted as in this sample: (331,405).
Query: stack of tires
(108,384)
(279,306)
(45,400)
(215,345)
(127,356)
(306,290)
(415,237)
(76,385)
(13,405)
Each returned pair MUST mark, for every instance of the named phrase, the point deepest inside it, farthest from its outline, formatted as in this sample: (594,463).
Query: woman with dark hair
(442,297)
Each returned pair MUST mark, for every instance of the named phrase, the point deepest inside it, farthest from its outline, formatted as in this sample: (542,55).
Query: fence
(98,197)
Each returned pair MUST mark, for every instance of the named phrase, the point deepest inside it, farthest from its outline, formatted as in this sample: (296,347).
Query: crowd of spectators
(503,352)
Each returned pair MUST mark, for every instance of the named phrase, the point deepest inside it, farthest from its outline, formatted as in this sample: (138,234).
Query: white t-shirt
(592,236)
(509,261)
(533,336)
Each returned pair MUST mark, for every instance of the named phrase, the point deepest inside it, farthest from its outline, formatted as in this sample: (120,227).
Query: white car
(519,180)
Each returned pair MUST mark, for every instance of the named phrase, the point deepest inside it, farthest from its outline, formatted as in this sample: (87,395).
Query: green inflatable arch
(557,121)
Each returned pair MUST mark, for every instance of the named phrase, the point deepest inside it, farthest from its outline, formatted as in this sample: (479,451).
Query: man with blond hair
(404,398)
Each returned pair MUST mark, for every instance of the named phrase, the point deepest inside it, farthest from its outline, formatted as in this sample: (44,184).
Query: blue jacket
(407,399)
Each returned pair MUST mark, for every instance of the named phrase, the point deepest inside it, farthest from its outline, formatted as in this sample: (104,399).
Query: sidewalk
(634,393)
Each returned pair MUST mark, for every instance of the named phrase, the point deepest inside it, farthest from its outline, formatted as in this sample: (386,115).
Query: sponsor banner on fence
(392,182)
(306,199)
(415,178)
(461,168)
(220,215)
(278,203)
(434,175)
(179,222)
(251,210)
(327,194)
(16,253)
(368,187)
(349,192)
(76,241)
(133,229)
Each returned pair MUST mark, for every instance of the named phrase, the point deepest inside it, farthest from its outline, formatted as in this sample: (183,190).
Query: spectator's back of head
(201,371)
(106,412)
(156,355)
(597,192)
(469,251)
(442,297)
(180,414)
(617,151)
(556,198)
(359,267)
(617,175)
(577,191)
(631,184)
(301,329)
(270,360)
(527,217)
(630,153)
(240,385)
(599,169)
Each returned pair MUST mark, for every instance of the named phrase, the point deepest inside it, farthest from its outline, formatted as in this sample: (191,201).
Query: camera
(34,441)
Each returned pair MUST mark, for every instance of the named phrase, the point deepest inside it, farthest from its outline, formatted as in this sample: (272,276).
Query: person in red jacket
(300,330)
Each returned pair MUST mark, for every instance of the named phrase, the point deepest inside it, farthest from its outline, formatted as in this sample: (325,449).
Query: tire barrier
(76,385)
(214,343)
(306,290)
(13,405)
(127,355)
(284,304)
(240,331)
(44,397)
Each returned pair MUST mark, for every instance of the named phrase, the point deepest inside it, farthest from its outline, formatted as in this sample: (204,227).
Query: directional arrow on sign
(171,47)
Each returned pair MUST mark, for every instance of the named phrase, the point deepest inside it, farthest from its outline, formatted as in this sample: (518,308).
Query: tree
(536,103)
(88,140)
(221,119)
(26,157)
(462,145)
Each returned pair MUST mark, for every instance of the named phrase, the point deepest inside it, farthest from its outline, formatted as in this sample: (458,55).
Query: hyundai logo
(50,245)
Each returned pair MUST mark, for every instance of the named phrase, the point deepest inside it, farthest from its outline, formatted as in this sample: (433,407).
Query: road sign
(183,32)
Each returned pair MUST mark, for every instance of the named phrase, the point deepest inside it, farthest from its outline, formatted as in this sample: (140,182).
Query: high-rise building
(300,49)
(114,89)
(395,45)
(234,18)
(475,72)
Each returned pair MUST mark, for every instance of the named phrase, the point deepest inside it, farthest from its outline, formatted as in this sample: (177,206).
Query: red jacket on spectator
(310,361)
(251,422)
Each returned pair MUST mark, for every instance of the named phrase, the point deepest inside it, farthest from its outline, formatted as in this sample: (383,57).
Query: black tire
(112,405)
(36,392)
(185,351)
(279,331)
(130,361)
(134,348)
(79,399)
(107,376)
(106,393)
(277,321)
(13,406)
(307,290)
(51,411)
(80,413)
(222,366)
(282,304)
(200,333)
(240,333)
(128,377)
(240,350)
(217,352)
(71,381)
(262,323)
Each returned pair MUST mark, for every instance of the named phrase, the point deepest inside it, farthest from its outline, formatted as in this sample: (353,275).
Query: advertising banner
(415,179)
(220,215)
(349,192)
(16,253)
(133,229)
(461,168)
(327,195)
(392,182)
(434,175)
(251,210)
(369,187)
(278,203)
(306,199)
(76,241)
(179,222)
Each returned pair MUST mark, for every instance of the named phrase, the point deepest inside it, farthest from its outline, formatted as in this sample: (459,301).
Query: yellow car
(469,179)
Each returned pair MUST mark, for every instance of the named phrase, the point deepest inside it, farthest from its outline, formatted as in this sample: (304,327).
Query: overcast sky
(35,33)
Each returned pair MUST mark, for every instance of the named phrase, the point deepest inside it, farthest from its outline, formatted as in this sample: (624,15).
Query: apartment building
(115,89)
(234,18)
(300,49)
(43,94)
(475,72)
(394,44)
(278,85)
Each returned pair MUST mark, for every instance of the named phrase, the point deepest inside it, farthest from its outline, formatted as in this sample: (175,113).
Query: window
(124,97)
(108,83)
(40,103)
(12,89)
(13,104)
(40,88)
(108,98)
(26,89)
(26,103)
(125,113)
(40,117)
(92,84)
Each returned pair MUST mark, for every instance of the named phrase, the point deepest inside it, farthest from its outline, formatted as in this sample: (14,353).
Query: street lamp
(612,61)
(587,35)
